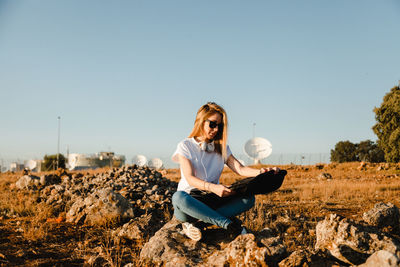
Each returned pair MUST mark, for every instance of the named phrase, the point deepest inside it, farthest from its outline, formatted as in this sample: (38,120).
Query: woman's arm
(188,172)
(238,168)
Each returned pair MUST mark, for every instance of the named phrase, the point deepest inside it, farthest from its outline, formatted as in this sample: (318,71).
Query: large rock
(171,248)
(27,182)
(243,251)
(276,249)
(383,215)
(382,258)
(101,207)
(350,242)
(140,228)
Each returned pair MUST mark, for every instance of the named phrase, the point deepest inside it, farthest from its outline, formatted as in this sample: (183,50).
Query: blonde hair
(203,114)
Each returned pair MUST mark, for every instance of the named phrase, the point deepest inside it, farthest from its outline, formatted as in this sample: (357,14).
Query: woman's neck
(202,139)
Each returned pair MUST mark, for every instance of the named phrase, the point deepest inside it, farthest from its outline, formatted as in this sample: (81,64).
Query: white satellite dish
(258,148)
(155,163)
(72,160)
(140,160)
(31,164)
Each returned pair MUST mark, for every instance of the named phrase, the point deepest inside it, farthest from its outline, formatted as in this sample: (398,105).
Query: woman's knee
(177,197)
(182,199)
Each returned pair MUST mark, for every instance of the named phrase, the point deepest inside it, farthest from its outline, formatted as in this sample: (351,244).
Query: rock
(79,195)
(311,232)
(101,207)
(168,245)
(138,228)
(27,182)
(363,166)
(350,242)
(77,176)
(324,176)
(383,215)
(276,250)
(46,180)
(243,251)
(319,166)
(382,258)
(304,258)
(380,168)
(265,233)
(76,208)
(296,259)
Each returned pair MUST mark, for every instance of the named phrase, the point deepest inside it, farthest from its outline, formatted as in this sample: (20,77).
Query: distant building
(99,160)
(16,167)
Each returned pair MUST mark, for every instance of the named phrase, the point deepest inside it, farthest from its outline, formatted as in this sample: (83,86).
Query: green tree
(344,151)
(369,151)
(50,162)
(387,127)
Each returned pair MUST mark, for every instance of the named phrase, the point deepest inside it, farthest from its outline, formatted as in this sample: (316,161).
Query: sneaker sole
(191,231)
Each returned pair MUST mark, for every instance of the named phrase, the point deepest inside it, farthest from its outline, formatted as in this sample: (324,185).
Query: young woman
(202,157)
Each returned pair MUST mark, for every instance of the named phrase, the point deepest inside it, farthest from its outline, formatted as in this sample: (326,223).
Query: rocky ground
(324,215)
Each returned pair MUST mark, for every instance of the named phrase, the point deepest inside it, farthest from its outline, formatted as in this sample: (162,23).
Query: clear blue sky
(129,76)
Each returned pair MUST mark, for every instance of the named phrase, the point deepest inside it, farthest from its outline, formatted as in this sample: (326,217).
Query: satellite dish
(72,160)
(155,163)
(258,148)
(140,160)
(31,164)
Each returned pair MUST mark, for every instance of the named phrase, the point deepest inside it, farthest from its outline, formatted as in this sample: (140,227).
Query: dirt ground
(55,250)
(308,194)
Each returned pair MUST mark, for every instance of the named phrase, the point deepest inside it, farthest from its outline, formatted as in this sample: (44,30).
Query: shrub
(344,151)
(50,162)
(387,127)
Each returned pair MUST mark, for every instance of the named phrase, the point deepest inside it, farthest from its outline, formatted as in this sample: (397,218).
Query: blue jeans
(189,209)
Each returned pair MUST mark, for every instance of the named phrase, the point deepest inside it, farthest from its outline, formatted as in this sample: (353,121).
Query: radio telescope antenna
(140,160)
(258,148)
(155,163)
(72,160)
(31,164)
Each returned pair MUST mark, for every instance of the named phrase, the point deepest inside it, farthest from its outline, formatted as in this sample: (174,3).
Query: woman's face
(211,126)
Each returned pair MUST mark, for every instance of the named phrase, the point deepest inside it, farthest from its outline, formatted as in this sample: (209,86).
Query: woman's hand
(276,169)
(221,190)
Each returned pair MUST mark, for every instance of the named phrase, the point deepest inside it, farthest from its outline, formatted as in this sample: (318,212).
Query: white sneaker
(191,231)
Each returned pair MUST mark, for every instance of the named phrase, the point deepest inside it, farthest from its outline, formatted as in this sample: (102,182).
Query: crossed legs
(189,209)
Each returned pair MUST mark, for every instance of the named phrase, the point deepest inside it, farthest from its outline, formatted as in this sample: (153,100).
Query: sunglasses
(213,124)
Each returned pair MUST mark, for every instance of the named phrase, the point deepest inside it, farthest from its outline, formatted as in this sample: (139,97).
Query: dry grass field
(32,234)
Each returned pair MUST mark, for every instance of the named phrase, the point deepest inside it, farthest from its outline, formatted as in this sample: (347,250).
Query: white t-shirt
(207,166)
